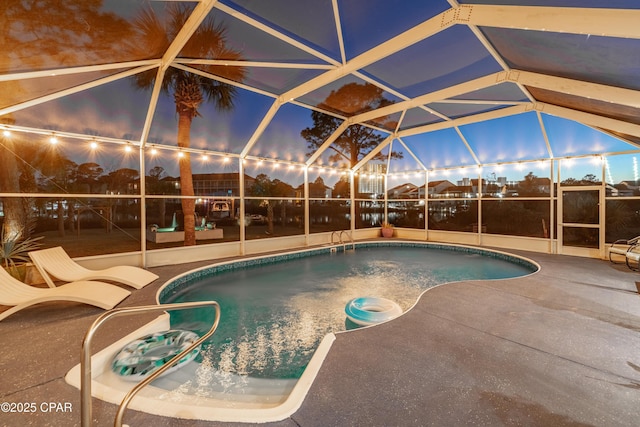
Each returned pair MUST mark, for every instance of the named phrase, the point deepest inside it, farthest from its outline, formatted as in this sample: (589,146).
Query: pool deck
(558,348)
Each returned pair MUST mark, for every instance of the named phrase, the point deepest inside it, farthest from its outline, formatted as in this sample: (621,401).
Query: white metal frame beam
(612,94)
(401,41)
(589,119)
(52,72)
(62,93)
(598,22)
(194,20)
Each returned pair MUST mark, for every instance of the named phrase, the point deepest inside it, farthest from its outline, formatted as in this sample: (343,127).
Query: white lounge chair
(19,295)
(632,257)
(621,247)
(57,263)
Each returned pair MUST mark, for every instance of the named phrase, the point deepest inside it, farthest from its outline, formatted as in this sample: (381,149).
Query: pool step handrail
(344,244)
(85,361)
(335,233)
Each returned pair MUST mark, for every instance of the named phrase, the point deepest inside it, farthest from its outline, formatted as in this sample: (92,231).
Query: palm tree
(189,90)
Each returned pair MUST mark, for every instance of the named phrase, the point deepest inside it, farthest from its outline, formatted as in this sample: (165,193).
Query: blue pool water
(275,311)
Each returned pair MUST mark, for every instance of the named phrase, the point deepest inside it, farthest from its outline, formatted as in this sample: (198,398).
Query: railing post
(85,360)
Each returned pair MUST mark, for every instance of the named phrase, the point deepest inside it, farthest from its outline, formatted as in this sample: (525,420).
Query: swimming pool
(276,310)
(280,314)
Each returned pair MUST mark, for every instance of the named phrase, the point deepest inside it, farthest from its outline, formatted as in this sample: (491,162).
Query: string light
(608,169)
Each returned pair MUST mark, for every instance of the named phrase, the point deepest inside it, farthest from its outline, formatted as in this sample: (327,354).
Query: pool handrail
(85,361)
(342,242)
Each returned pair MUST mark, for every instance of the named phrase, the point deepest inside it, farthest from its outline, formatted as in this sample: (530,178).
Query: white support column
(143,209)
(306,207)
(352,210)
(426,205)
(241,214)
(553,221)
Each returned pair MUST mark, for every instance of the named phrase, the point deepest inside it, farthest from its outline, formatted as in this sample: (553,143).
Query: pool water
(274,316)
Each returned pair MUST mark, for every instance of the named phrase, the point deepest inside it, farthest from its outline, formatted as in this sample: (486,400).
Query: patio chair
(19,295)
(632,257)
(621,247)
(57,263)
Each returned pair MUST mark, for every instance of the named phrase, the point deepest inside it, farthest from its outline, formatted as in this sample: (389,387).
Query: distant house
(315,191)
(611,191)
(438,187)
(404,191)
(627,188)
(214,184)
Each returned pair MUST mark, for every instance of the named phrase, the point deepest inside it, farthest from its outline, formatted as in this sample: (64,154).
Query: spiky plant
(14,251)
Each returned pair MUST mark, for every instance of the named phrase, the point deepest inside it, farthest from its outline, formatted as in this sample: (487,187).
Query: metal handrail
(344,245)
(340,238)
(85,361)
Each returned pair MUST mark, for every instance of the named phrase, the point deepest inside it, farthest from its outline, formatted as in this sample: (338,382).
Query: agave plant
(14,251)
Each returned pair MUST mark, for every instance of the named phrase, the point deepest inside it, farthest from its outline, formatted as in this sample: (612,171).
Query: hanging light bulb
(53,140)
(6,133)
(93,144)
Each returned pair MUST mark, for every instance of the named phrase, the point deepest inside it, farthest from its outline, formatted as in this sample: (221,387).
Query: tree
(153,38)
(58,175)
(87,176)
(317,188)
(119,181)
(529,186)
(156,185)
(265,187)
(15,218)
(34,36)
(357,140)
(341,188)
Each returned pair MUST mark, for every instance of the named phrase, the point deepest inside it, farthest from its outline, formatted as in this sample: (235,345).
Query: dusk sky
(443,60)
